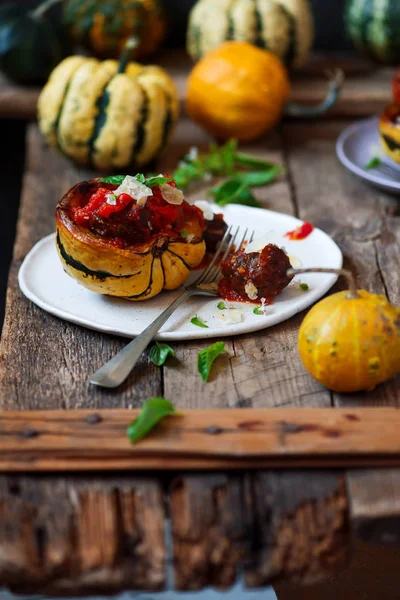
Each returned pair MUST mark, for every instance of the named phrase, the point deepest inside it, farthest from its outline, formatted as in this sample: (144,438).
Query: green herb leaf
(159,180)
(259,178)
(304,287)
(159,353)
(140,177)
(221,305)
(206,358)
(152,412)
(252,161)
(374,162)
(184,233)
(258,310)
(196,321)
(233,191)
(113,179)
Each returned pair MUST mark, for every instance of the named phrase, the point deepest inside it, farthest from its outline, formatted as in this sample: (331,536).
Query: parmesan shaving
(134,188)
(111,199)
(171,195)
(294,261)
(190,238)
(251,290)
(231,315)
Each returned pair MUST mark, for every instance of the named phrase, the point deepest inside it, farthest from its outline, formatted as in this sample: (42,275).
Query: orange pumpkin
(237,91)
(350,341)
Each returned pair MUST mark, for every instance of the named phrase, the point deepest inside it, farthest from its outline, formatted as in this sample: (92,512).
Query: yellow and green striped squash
(103,26)
(284,27)
(374,27)
(108,115)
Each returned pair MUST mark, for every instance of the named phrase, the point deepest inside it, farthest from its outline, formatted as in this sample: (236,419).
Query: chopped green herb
(153,181)
(221,305)
(258,310)
(114,179)
(207,357)
(375,161)
(304,287)
(184,233)
(159,353)
(196,321)
(152,412)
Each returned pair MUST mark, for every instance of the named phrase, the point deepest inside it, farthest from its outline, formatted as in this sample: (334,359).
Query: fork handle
(116,370)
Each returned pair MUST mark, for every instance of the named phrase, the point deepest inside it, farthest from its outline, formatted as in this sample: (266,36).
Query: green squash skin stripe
(259,38)
(141,130)
(58,119)
(230,33)
(392,144)
(102,104)
(78,266)
(291,52)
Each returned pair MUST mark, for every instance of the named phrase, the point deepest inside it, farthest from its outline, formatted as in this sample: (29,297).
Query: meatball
(255,275)
(214,232)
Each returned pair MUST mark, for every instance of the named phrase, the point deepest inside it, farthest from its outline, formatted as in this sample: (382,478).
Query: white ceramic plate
(42,280)
(355,147)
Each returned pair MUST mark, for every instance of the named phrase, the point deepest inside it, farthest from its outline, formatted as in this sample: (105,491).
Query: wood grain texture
(78,535)
(198,439)
(221,522)
(366,91)
(366,225)
(60,354)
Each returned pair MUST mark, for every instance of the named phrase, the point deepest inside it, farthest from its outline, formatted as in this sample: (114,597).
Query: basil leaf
(233,192)
(259,178)
(304,287)
(152,181)
(196,321)
(152,412)
(206,358)
(113,179)
(159,353)
(258,310)
(221,305)
(252,161)
(374,162)
(140,177)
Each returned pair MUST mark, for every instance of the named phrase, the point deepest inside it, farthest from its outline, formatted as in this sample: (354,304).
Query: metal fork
(116,370)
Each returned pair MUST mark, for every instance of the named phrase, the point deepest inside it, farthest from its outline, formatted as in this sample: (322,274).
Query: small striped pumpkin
(103,26)
(108,115)
(374,27)
(285,27)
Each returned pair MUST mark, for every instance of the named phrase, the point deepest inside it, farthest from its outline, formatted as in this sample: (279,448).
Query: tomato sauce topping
(301,232)
(123,222)
(248,277)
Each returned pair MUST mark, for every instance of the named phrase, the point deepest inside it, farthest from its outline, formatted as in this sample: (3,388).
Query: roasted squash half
(136,272)
(389,131)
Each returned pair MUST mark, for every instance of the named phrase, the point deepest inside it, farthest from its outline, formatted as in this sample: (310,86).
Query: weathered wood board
(278,526)
(207,440)
(366,90)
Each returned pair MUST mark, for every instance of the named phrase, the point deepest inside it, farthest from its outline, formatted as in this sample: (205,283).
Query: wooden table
(97,534)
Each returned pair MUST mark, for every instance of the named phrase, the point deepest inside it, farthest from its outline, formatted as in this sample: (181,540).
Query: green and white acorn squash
(374,28)
(285,27)
(108,115)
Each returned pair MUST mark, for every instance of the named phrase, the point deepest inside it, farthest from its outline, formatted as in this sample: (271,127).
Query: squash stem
(131,43)
(40,10)
(335,85)
(352,293)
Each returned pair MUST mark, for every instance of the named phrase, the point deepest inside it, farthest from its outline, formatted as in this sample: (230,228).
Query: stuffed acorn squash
(129,237)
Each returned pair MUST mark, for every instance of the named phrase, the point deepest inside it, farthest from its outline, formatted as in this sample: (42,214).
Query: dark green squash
(32,40)
(374,28)
(103,26)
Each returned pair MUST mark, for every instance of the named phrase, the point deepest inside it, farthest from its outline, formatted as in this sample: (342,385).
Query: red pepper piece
(107,209)
(301,232)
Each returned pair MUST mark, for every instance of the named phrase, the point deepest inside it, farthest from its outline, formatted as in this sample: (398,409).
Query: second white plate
(43,281)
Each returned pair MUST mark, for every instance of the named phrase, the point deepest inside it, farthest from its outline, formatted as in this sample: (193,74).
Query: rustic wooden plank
(76,535)
(201,439)
(366,91)
(48,367)
(221,523)
(366,225)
